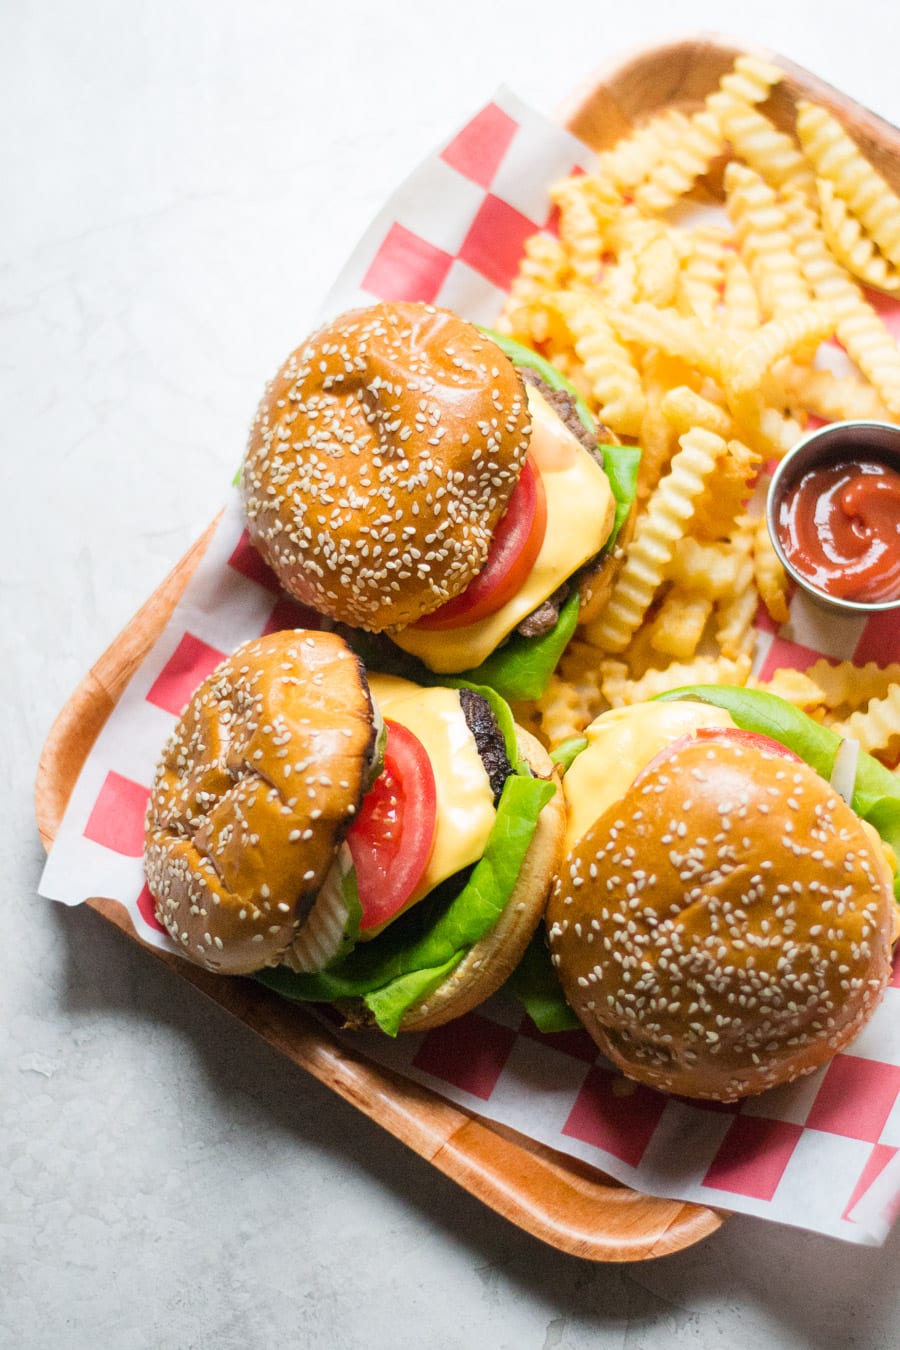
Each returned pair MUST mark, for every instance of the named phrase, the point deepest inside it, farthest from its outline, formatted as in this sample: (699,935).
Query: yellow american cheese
(580,512)
(465,801)
(620,744)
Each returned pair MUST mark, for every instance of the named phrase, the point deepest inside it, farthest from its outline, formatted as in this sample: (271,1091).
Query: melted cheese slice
(620,744)
(580,513)
(465,802)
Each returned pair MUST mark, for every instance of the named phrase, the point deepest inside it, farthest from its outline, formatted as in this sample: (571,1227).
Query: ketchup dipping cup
(833,512)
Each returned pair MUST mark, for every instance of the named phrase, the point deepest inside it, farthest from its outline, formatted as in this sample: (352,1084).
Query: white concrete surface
(178,183)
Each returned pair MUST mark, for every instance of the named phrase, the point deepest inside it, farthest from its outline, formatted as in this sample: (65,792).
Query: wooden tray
(558,1199)
(681,74)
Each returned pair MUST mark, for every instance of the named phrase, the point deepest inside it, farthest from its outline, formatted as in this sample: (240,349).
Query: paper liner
(821,1153)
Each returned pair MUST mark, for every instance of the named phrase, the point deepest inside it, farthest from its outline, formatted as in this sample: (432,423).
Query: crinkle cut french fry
(792,685)
(567,363)
(690,155)
(602,196)
(646,257)
(833,398)
(778,432)
(701,282)
(640,655)
(837,157)
(614,381)
(679,622)
(771,578)
(740,303)
(854,249)
(658,272)
(564,712)
(734,618)
(725,497)
(879,725)
(657,437)
(701,345)
(527,715)
(574,696)
(657,444)
(758,216)
(708,568)
(845,684)
(858,327)
(579,232)
(543,268)
(684,408)
(618,283)
(785,335)
(751,79)
(761,146)
(668,511)
(634,158)
(621,691)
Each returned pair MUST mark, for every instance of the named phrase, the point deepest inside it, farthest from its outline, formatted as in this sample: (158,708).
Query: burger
(409,474)
(724,918)
(369,843)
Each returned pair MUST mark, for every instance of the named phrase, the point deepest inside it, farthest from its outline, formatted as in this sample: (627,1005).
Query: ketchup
(840,527)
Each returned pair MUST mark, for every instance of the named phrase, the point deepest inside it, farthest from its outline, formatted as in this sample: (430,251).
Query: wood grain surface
(681,74)
(563,1202)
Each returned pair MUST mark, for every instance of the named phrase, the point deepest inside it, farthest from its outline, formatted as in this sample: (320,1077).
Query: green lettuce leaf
(876,794)
(379,654)
(621,464)
(619,461)
(388,1005)
(568,751)
(521,355)
(397,968)
(521,668)
(535,984)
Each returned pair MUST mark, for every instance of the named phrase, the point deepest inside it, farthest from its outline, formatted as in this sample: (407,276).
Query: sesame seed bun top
(380,461)
(726,926)
(257,786)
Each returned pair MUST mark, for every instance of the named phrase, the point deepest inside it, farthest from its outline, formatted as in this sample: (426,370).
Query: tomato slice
(750,740)
(514,549)
(393,835)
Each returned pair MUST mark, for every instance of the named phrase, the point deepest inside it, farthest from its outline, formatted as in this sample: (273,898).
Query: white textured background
(179,181)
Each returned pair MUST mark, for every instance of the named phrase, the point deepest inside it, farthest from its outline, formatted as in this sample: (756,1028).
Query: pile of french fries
(709,338)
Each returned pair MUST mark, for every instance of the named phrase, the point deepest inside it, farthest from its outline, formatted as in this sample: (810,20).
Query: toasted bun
(726,926)
(492,960)
(257,786)
(381,459)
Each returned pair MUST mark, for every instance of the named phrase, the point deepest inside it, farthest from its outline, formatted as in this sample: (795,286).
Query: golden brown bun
(492,960)
(257,786)
(726,926)
(381,459)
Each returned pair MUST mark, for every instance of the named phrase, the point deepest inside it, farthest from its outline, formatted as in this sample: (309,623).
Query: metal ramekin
(836,441)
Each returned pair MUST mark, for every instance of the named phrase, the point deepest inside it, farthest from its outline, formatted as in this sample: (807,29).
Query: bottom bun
(493,959)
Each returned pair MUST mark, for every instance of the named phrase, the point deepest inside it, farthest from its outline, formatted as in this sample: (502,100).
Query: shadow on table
(801,1289)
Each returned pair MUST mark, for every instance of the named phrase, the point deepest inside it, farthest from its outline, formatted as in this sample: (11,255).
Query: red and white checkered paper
(823,1153)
